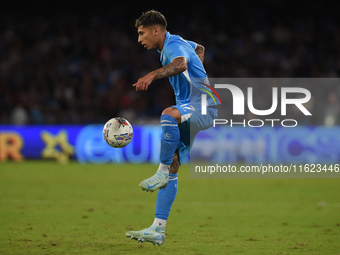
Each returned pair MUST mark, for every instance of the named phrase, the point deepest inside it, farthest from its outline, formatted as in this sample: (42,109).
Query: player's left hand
(144,82)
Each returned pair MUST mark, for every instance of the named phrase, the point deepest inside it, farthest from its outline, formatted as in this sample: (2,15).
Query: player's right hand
(144,82)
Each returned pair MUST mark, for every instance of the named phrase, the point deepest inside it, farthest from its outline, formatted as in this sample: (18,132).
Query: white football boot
(153,234)
(158,181)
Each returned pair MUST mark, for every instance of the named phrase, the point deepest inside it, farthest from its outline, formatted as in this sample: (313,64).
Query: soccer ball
(117,132)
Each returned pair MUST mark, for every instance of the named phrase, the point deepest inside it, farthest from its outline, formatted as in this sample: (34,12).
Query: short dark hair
(150,18)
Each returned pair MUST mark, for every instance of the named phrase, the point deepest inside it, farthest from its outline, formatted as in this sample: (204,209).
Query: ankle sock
(165,198)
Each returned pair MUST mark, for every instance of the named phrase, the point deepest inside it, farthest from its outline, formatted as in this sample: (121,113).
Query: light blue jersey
(189,87)
(190,84)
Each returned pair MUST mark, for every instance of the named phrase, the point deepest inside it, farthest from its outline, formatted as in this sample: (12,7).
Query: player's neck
(161,41)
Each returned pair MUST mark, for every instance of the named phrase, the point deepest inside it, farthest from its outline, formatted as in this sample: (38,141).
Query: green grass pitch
(49,208)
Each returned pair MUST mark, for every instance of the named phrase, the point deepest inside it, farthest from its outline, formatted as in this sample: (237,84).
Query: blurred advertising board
(82,143)
(239,144)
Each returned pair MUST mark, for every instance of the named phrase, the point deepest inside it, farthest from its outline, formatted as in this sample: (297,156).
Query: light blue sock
(170,138)
(165,198)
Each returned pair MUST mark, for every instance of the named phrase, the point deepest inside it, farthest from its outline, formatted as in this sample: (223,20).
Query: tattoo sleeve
(177,66)
(200,52)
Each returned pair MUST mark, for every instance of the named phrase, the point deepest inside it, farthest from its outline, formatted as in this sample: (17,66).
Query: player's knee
(173,112)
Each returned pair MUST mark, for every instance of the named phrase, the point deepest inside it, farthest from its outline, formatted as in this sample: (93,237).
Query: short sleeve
(178,49)
(192,44)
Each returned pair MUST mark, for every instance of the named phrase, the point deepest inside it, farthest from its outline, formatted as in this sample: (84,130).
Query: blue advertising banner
(83,143)
(301,144)
(250,145)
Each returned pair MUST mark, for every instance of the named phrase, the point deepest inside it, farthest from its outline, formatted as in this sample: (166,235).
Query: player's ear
(156,30)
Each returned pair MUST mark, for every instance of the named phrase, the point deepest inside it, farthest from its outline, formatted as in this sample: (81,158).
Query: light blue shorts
(192,121)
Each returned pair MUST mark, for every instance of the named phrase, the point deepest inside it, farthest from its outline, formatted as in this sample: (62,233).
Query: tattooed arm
(200,52)
(177,66)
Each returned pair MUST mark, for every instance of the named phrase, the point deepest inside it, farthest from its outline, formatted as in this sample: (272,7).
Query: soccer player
(182,62)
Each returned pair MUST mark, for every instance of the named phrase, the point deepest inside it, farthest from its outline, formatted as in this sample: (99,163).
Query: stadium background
(66,68)
(76,66)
